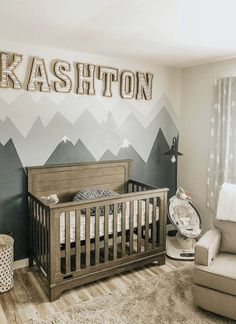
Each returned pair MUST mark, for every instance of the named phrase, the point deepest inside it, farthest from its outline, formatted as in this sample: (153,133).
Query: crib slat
(31,228)
(77,238)
(123,229)
(41,235)
(46,241)
(154,222)
(106,238)
(29,225)
(131,227)
(55,224)
(97,236)
(130,187)
(162,212)
(38,232)
(87,238)
(115,232)
(67,222)
(35,230)
(43,238)
(139,226)
(146,224)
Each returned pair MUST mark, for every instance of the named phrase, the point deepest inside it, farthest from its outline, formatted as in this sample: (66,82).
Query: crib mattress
(101,222)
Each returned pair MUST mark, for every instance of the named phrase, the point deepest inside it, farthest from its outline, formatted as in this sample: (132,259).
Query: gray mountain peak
(66,152)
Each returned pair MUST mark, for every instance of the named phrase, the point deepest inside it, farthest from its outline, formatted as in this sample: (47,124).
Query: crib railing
(39,233)
(135,186)
(116,241)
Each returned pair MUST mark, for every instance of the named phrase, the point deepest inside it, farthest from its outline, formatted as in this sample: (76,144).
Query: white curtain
(222,155)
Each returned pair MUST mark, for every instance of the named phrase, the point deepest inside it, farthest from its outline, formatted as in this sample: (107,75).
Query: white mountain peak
(65,139)
(125,144)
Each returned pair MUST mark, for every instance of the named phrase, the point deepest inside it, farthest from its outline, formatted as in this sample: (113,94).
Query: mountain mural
(13,198)
(157,171)
(26,108)
(40,142)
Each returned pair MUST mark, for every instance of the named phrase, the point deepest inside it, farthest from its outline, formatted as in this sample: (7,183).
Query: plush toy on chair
(215,259)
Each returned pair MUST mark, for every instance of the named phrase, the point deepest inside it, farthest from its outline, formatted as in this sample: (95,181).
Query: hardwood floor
(27,299)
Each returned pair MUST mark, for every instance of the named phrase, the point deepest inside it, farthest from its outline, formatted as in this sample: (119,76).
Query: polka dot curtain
(222,152)
(6,263)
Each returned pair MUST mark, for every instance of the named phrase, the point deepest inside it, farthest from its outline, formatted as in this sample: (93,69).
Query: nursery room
(117,161)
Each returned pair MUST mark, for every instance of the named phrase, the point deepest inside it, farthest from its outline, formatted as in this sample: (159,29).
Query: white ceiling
(171,32)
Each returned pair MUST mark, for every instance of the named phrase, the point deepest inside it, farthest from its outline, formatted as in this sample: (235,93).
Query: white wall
(194,124)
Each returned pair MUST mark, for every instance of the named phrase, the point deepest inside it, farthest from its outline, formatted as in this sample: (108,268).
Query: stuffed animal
(181,194)
(51,199)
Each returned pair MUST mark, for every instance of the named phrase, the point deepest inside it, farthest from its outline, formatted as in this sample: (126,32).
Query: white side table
(6,262)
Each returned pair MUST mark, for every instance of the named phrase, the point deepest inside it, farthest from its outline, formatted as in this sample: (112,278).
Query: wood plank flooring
(28,300)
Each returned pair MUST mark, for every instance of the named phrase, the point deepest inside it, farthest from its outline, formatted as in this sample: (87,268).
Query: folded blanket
(226,209)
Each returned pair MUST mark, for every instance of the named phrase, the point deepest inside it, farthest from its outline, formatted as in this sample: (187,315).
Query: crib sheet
(101,222)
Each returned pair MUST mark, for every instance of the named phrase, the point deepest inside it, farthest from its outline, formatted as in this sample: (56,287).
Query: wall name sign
(131,84)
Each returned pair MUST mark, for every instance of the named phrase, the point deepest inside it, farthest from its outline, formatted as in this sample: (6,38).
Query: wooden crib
(119,242)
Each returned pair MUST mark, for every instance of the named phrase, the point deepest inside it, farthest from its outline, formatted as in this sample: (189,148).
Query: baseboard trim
(23,263)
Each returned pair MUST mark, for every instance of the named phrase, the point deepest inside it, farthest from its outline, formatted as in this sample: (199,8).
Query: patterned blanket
(87,194)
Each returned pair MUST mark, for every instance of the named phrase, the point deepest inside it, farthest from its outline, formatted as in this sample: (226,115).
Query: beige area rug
(166,298)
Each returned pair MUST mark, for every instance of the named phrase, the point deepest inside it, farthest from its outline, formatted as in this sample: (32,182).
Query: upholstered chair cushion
(220,275)
(228,235)
(215,301)
(207,247)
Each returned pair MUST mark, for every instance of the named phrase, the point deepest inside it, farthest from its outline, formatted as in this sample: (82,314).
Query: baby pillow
(87,194)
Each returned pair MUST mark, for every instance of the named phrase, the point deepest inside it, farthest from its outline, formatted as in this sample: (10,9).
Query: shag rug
(166,298)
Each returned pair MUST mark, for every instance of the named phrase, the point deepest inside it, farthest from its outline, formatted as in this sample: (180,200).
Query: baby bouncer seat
(187,225)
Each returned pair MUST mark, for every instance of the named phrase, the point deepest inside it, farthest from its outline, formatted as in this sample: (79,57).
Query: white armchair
(208,247)
(215,270)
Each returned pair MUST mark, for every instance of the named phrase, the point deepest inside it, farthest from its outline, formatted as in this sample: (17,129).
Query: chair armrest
(207,247)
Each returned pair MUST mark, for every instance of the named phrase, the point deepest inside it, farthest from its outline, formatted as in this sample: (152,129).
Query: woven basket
(6,263)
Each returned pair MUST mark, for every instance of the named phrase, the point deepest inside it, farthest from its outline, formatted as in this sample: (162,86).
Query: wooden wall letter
(86,74)
(107,75)
(38,76)
(131,84)
(144,86)
(127,83)
(7,70)
(65,84)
